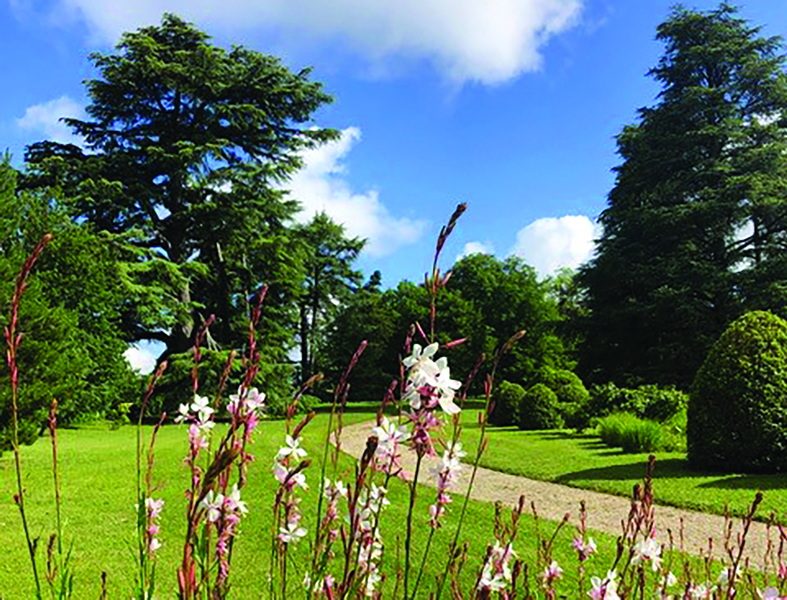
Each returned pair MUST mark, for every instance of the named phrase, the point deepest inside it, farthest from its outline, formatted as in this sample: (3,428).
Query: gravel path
(554,500)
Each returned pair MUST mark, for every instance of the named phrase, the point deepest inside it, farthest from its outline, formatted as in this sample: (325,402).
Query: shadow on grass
(748,482)
(670,468)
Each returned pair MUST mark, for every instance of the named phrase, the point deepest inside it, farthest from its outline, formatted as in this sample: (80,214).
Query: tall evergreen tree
(186,147)
(696,225)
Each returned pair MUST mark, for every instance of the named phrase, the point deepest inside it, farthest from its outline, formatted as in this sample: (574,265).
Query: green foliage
(568,387)
(187,147)
(705,163)
(486,301)
(647,402)
(631,433)
(330,279)
(506,399)
(737,418)
(72,348)
(539,409)
(571,394)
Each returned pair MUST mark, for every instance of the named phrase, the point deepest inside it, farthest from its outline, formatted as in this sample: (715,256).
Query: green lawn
(581,460)
(98,492)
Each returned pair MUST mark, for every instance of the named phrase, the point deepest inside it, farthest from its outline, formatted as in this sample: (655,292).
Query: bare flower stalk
(13,339)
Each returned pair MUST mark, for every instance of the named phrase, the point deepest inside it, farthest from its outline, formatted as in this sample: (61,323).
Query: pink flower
(604,589)
(552,573)
(584,549)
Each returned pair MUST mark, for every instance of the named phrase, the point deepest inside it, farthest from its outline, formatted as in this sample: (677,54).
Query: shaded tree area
(486,301)
(696,226)
(72,349)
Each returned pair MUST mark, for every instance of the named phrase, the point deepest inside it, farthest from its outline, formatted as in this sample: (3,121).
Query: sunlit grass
(98,494)
(582,461)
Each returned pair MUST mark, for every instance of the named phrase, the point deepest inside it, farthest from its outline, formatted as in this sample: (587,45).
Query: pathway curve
(554,500)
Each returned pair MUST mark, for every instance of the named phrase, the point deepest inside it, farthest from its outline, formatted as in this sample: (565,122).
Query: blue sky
(510,105)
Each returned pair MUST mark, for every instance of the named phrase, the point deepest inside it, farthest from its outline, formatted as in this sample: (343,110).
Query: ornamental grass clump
(343,552)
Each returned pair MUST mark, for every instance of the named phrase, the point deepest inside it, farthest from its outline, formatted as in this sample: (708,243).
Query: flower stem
(409,534)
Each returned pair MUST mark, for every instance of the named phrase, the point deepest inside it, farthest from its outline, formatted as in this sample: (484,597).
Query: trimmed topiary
(506,399)
(737,417)
(540,409)
(567,385)
(572,395)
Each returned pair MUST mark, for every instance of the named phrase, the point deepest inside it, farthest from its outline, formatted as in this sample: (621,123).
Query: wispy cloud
(321,186)
(44,119)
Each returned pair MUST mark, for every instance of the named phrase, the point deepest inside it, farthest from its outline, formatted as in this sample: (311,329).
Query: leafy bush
(572,395)
(646,401)
(506,398)
(737,417)
(632,434)
(567,385)
(540,409)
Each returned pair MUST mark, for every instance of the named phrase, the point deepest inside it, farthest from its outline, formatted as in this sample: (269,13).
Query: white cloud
(490,41)
(141,357)
(44,119)
(320,187)
(476,248)
(552,243)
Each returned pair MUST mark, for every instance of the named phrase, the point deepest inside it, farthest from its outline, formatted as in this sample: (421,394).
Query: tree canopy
(186,146)
(696,225)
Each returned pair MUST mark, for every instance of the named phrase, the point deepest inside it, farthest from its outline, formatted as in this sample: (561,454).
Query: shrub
(646,401)
(737,417)
(568,387)
(572,395)
(540,409)
(506,399)
(632,434)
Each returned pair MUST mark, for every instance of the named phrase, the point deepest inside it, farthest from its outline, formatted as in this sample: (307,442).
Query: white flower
(205,425)
(446,387)
(154,506)
(389,435)
(669,580)
(420,356)
(373,579)
(647,550)
(337,487)
(235,502)
(201,406)
(291,533)
(212,503)
(604,589)
(154,544)
(183,413)
(771,593)
(553,572)
(292,448)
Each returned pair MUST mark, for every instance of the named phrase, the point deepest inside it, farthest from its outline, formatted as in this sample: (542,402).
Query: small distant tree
(327,257)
